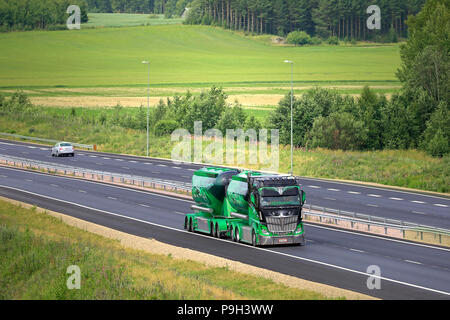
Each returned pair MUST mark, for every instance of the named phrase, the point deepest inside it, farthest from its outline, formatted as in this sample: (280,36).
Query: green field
(126,20)
(181,56)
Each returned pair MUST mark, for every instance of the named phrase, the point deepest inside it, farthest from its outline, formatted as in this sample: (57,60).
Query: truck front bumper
(277,240)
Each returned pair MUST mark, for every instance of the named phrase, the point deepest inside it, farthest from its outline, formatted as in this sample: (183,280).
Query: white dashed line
(421,202)
(54,185)
(161,165)
(315,187)
(144,205)
(31,147)
(181,213)
(418,212)
(112,198)
(147,163)
(356,250)
(330,198)
(45,149)
(92,156)
(374,195)
(176,167)
(118,159)
(82,191)
(410,261)
(3,176)
(372,205)
(331,189)
(354,192)
(192,169)
(397,199)
(29,180)
(132,161)
(125,168)
(441,205)
(106,158)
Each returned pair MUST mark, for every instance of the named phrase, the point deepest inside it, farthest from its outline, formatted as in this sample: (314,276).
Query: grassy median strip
(36,249)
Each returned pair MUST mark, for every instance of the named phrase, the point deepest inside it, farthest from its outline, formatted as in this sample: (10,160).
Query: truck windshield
(280,200)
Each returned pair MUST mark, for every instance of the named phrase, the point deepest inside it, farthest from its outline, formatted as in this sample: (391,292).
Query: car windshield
(65,145)
(280,200)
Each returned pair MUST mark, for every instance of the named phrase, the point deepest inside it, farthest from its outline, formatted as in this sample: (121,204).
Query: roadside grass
(402,168)
(36,250)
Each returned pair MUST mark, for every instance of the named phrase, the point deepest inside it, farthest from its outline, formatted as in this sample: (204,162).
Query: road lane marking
(410,261)
(441,205)
(354,192)
(3,176)
(144,205)
(147,163)
(118,159)
(176,167)
(372,205)
(415,201)
(331,189)
(106,158)
(161,165)
(126,168)
(418,212)
(356,250)
(82,191)
(112,198)
(315,187)
(132,161)
(327,198)
(54,185)
(396,199)
(181,213)
(29,180)
(374,195)
(92,156)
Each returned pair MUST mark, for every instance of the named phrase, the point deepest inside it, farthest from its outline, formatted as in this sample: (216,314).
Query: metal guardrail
(106,176)
(335,215)
(78,145)
(325,215)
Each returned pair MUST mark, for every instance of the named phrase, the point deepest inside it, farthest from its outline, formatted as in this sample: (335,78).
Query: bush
(316,41)
(165,127)
(338,131)
(299,38)
(333,41)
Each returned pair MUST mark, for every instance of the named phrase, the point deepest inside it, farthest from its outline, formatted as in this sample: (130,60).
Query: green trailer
(247,206)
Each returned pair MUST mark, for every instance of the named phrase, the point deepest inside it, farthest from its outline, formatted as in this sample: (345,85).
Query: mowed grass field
(127,20)
(181,56)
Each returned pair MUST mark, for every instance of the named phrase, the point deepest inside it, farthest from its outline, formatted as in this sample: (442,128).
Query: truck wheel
(254,238)
(211,230)
(236,234)
(186,223)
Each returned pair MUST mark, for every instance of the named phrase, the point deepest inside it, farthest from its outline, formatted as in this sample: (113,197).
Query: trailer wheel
(216,231)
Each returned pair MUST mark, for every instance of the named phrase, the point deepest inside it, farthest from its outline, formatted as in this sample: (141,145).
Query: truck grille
(281,225)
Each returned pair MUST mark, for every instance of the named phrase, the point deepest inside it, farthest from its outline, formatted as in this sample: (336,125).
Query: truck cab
(266,209)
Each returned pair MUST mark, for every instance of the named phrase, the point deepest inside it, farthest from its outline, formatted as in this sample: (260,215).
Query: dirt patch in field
(153,246)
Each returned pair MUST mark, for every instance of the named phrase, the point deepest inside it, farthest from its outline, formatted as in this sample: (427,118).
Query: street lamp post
(292,98)
(148,97)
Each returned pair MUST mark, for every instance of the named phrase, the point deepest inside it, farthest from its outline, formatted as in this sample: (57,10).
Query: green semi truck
(247,206)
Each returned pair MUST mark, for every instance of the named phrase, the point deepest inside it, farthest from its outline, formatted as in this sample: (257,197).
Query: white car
(62,149)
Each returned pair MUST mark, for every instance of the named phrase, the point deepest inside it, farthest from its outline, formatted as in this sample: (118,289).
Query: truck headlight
(265,232)
(299,229)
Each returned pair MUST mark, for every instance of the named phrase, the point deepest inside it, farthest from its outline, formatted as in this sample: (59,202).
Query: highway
(331,256)
(384,202)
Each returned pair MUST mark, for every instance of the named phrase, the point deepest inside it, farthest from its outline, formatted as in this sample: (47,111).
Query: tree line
(345,19)
(37,14)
